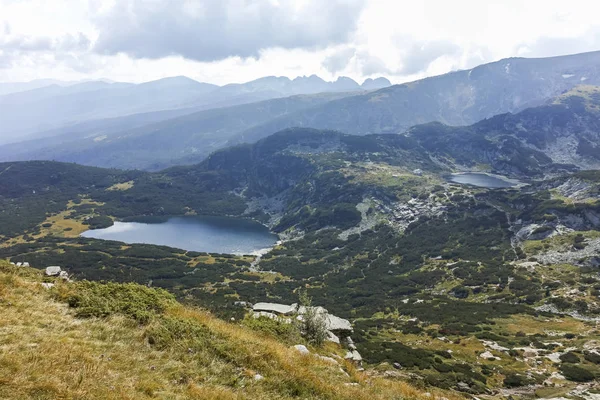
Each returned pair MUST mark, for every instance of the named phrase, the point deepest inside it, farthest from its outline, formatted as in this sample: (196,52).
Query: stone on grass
(53,271)
(301,349)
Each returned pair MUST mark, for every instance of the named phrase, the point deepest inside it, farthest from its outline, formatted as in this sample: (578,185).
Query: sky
(225,41)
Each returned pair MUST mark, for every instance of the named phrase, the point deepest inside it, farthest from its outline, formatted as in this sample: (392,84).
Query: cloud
(339,60)
(25,43)
(217,29)
(369,64)
(552,46)
(420,55)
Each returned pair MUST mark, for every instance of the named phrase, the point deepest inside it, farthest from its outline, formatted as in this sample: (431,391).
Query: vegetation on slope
(101,341)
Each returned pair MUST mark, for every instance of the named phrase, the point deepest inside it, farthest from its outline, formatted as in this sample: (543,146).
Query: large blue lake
(208,234)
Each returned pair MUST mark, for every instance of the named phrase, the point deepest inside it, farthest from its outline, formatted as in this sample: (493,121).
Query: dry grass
(48,353)
(120,186)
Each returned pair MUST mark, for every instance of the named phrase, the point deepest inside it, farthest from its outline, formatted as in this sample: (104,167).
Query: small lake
(482,180)
(206,234)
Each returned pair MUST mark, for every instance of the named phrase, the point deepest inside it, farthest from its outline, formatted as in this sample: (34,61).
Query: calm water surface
(209,234)
(481,180)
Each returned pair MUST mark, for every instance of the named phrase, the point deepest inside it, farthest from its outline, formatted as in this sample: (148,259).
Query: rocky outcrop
(53,271)
(275,308)
(339,329)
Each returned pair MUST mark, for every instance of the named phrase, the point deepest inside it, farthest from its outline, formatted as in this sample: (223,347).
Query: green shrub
(95,299)
(592,357)
(515,380)
(313,326)
(569,357)
(576,374)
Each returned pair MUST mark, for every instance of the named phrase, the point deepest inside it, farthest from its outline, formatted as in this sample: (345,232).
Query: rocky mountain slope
(456,98)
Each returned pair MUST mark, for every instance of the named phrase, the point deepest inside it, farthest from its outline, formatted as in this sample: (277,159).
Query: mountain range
(188,134)
(49,105)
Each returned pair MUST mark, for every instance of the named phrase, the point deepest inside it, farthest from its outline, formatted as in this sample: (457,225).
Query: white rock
(356,356)
(338,324)
(275,308)
(258,377)
(301,349)
(63,275)
(265,314)
(26,264)
(488,355)
(348,355)
(328,359)
(332,338)
(19,264)
(47,285)
(53,271)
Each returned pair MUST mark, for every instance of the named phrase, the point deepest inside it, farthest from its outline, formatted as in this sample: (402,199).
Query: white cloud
(217,29)
(224,41)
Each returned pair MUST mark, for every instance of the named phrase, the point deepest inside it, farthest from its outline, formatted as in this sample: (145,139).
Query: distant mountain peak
(377,83)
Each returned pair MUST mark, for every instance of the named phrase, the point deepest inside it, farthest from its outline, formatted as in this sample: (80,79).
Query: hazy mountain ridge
(185,139)
(57,104)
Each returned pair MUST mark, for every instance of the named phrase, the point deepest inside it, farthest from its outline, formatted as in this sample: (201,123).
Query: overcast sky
(221,41)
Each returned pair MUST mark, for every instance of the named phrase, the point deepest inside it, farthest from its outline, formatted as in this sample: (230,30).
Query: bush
(575,373)
(94,299)
(570,357)
(592,357)
(515,380)
(313,326)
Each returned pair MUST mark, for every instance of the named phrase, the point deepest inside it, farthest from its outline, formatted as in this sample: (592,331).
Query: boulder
(47,285)
(328,359)
(301,349)
(332,338)
(258,377)
(356,356)
(26,264)
(275,308)
(488,355)
(63,275)
(19,264)
(338,325)
(53,271)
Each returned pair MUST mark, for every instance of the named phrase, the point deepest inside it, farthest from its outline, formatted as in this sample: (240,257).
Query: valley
(456,284)
(458,231)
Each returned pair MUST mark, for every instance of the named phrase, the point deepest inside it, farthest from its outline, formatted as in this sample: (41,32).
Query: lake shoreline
(210,234)
(514,183)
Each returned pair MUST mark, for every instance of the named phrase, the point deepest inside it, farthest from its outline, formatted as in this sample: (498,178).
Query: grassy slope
(50,352)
